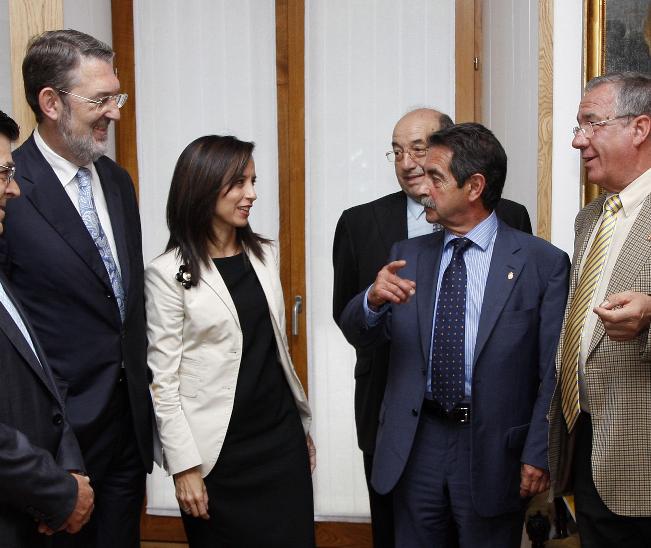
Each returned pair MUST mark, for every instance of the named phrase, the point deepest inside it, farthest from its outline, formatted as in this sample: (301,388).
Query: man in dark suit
(363,239)
(42,486)
(73,252)
(462,428)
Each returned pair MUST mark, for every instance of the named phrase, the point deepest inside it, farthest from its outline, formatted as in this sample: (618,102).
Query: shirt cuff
(372,317)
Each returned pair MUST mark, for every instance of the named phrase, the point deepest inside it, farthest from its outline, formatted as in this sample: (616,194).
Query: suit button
(414,412)
(109,295)
(57,419)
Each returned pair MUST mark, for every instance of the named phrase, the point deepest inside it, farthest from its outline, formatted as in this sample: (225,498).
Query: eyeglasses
(397,155)
(587,128)
(7,173)
(103,102)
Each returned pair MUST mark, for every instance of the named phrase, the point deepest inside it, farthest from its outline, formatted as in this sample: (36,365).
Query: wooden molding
(290,75)
(594,56)
(330,534)
(126,148)
(27,18)
(466,49)
(545,116)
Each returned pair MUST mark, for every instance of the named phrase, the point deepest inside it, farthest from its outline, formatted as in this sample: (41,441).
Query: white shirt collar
(65,171)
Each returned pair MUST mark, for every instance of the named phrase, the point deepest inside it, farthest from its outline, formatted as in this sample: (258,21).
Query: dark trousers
(435,488)
(117,475)
(381,510)
(598,526)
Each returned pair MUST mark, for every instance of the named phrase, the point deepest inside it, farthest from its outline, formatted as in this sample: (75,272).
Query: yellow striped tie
(583,294)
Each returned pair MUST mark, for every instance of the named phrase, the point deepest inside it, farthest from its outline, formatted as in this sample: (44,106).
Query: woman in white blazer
(232,414)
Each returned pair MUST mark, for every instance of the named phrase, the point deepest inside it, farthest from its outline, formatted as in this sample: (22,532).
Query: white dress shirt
(632,198)
(66,172)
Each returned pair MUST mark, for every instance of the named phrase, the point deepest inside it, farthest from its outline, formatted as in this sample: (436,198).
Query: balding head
(410,135)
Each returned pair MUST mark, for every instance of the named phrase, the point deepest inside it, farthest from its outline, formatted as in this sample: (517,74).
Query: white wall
(510,92)
(566,174)
(367,63)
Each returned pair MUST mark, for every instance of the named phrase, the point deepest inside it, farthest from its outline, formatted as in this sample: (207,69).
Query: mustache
(428,202)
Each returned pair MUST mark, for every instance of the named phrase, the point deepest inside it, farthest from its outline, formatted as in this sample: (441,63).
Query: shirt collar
(481,235)
(64,170)
(635,193)
(414,208)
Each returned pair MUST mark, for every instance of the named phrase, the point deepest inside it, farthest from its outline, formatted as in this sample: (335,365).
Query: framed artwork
(617,38)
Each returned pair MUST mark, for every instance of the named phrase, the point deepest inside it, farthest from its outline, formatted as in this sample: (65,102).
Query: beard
(83,147)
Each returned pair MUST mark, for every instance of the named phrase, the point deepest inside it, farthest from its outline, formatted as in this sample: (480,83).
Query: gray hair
(51,58)
(633,91)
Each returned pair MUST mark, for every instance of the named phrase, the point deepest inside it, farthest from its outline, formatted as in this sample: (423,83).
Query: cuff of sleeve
(373,317)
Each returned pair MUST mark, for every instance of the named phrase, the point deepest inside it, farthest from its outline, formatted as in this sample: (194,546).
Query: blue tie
(91,220)
(448,348)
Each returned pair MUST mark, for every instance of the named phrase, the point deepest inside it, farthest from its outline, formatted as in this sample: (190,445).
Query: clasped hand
(80,513)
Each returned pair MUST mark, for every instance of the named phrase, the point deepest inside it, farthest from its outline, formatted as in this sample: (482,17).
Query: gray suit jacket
(618,381)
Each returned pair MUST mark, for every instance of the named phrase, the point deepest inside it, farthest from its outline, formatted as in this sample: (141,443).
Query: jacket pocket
(517,435)
(188,385)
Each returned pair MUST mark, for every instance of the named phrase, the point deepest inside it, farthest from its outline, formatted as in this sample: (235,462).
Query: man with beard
(73,252)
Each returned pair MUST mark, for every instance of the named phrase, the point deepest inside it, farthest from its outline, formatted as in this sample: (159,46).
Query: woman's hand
(191,493)
(311,451)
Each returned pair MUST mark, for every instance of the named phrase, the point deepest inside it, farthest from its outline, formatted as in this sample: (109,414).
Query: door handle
(296,310)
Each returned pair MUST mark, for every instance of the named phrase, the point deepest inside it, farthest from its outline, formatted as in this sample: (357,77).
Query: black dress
(260,489)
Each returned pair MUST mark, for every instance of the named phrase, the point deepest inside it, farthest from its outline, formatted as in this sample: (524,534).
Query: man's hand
(81,512)
(389,287)
(625,314)
(311,451)
(533,480)
(191,493)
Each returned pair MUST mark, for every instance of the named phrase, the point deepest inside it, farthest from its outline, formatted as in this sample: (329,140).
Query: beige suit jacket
(194,353)
(618,384)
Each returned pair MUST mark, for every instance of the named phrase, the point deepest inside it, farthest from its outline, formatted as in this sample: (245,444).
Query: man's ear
(50,103)
(476,184)
(641,129)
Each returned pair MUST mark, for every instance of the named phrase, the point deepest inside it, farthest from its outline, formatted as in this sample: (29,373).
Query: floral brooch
(184,277)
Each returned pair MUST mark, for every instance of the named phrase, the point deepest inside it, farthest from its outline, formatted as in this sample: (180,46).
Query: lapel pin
(510,275)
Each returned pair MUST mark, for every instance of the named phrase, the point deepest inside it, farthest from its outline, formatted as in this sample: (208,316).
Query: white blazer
(194,353)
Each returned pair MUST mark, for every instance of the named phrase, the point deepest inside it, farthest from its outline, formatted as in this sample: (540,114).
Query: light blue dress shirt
(478,259)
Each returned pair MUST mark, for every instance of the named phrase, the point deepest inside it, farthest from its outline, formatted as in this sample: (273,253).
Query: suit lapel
(40,185)
(391,218)
(10,329)
(213,279)
(116,214)
(429,261)
(632,257)
(503,274)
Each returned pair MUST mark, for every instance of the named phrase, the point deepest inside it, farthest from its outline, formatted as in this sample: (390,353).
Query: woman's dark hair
(206,166)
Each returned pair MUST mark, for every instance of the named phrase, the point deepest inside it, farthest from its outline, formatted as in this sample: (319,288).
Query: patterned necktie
(448,347)
(91,220)
(590,275)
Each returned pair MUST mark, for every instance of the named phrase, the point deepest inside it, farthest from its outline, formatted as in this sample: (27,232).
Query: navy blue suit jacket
(61,281)
(37,446)
(513,370)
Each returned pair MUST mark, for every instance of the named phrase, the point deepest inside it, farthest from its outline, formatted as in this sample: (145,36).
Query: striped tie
(583,294)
